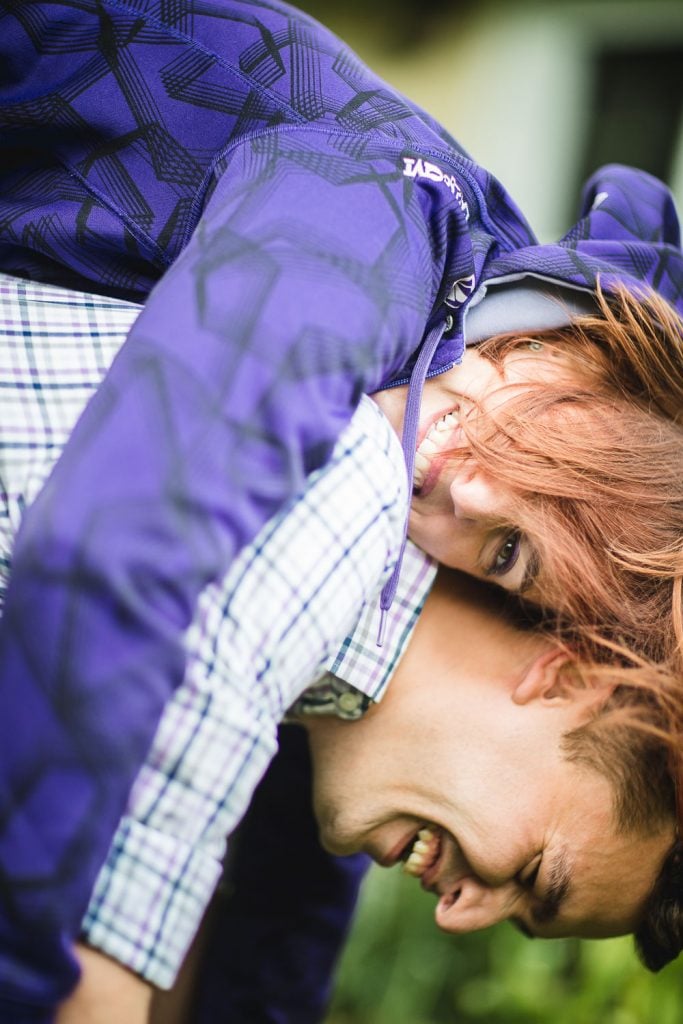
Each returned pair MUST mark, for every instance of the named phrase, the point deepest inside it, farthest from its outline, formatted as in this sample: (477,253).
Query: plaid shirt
(270,629)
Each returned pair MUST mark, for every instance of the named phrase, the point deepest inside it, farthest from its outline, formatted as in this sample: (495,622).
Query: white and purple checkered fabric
(263,635)
(55,347)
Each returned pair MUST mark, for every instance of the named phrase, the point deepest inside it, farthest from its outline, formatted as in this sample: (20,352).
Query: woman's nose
(472,905)
(473,494)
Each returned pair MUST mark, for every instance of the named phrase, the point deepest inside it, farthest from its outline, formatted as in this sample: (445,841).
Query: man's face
(466,749)
(459,515)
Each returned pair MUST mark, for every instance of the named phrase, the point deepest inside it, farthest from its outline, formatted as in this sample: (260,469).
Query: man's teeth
(434,441)
(423,854)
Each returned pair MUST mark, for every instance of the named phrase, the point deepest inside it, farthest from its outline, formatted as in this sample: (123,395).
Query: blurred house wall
(539,92)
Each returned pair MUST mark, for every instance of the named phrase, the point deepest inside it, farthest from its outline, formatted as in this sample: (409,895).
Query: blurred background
(541,93)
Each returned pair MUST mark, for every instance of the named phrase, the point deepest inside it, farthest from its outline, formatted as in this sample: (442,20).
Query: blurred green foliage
(399,969)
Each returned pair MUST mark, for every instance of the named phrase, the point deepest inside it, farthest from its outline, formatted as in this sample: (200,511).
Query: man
(320,231)
(309,576)
(472,772)
(477,786)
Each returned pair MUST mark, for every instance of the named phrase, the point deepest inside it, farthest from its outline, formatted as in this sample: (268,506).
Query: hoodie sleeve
(307,281)
(627,236)
(624,203)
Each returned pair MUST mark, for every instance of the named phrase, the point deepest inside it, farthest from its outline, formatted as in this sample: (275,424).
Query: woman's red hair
(593,465)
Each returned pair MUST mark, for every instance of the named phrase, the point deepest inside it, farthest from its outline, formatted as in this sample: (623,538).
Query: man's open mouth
(422,852)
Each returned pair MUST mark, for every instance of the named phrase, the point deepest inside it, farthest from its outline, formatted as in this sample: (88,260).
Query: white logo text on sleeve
(416,167)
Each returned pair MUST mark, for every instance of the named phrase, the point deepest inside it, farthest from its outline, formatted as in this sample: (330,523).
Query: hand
(106,994)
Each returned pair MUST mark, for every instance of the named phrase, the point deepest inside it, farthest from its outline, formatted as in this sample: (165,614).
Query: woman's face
(459,514)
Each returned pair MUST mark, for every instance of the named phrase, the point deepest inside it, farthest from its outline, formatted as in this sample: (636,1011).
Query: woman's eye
(506,555)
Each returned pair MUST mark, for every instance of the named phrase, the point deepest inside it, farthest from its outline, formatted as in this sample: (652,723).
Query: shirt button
(349,701)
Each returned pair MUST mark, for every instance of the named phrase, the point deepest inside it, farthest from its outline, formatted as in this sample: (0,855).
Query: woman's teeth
(423,854)
(435,441)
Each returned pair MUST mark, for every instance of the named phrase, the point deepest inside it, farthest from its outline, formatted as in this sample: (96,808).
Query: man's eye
(527,878)
(506,555)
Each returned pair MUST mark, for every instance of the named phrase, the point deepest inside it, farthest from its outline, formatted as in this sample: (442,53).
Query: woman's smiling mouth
(439,439)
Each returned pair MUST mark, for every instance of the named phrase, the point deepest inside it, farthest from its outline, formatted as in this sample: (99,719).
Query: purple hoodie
(301,229)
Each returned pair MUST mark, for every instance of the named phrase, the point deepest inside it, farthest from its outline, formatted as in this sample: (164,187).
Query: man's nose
(472,905)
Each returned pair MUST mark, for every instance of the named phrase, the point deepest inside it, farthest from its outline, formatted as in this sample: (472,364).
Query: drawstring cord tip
(382,627)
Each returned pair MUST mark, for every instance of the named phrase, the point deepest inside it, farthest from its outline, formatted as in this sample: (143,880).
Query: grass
(398,969)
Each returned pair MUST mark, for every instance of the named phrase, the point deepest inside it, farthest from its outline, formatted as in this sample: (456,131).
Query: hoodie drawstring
(408,443)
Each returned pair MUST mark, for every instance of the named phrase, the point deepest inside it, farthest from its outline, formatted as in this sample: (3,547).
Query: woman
(320,231)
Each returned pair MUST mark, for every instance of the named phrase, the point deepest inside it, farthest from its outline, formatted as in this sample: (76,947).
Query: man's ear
(544,682)
(541,681)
